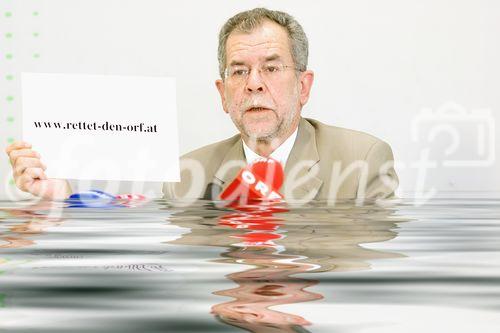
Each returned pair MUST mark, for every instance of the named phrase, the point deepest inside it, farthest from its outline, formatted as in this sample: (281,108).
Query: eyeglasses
(269,72)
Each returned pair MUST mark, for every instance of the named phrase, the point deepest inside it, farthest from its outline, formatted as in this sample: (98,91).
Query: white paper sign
(102,126)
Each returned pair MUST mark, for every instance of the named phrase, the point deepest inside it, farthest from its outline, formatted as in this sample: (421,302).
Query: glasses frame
(282,67)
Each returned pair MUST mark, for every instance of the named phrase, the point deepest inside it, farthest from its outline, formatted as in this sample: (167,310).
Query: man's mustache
(255,104)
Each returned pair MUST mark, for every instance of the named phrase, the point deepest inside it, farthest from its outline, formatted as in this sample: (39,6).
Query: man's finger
(22,182)
(35,173)
(15,154)
(17,145)
(35,183)
(23,163)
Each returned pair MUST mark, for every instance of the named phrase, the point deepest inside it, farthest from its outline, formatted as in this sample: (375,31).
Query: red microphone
(260,180)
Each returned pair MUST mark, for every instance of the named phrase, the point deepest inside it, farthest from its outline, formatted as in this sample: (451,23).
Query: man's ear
(220,87)
(306,82)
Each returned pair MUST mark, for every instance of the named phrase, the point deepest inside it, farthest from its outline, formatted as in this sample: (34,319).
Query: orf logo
(258,181)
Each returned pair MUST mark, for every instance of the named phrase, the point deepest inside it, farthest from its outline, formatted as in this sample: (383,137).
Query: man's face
(263,105)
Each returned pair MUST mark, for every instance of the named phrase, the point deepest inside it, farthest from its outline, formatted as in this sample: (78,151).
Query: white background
(377,65)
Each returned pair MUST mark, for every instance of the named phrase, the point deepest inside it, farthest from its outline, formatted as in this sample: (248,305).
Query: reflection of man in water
(278,243)
(267,285)
(264,84)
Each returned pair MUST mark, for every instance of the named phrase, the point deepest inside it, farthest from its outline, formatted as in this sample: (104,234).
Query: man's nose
(255,83)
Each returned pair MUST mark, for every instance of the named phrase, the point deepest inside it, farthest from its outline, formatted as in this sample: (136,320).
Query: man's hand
(29,173)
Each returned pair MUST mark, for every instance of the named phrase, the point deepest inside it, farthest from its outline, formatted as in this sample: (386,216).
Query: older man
(263,86)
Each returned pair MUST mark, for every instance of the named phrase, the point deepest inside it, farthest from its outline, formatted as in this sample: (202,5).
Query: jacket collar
(232,163)
(302,166)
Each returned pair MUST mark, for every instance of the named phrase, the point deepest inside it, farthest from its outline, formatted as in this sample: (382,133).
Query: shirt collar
(280,154)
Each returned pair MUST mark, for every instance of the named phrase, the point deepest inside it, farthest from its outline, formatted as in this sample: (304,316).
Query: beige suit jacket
(326,163)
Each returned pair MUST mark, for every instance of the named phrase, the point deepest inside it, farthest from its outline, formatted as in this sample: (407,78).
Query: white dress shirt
(280,154)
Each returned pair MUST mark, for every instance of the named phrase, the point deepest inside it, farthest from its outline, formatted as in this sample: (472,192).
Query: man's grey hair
(248,20)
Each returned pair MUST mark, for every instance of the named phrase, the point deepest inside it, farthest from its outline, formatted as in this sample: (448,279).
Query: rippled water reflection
(166,267)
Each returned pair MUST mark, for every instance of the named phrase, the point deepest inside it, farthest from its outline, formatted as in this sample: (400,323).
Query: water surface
(204,267)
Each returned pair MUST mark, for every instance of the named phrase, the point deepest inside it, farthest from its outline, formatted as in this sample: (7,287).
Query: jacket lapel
(302,166)
(232,163)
